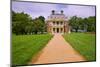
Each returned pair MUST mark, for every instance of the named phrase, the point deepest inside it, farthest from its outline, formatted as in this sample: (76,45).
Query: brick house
(57,23)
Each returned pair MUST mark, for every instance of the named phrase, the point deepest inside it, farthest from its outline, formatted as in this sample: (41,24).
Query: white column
(60,30)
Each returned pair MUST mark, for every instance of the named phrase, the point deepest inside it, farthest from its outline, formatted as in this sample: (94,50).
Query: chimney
(53,12)
(61,11)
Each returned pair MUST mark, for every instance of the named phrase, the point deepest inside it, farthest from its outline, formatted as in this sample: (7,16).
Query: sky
(44,9)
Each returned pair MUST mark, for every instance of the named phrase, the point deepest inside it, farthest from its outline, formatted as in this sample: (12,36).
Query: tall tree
(91,24)
(75,23)
(43,24)
(19,22)
(36,25)
(39,25)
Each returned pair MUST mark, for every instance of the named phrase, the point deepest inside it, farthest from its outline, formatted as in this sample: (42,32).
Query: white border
(5,33)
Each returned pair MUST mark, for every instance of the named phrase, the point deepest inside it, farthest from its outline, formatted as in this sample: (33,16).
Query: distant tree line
(83,24)
(23,24)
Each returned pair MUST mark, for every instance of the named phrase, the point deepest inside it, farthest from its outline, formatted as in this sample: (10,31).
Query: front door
(57,30)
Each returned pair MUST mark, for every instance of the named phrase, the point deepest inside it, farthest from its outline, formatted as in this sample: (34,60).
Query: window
(54,22)
(57,23)
(61,30)
(61,23)
(53,29)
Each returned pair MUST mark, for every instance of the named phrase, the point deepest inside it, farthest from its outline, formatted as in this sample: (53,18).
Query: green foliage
(84,43)
(25,47)
(39,25)
(19,22)
(75,22)
(91,24)
(86,24)
(23,24)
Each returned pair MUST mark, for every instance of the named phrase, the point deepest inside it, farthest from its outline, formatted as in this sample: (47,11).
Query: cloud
(44,9)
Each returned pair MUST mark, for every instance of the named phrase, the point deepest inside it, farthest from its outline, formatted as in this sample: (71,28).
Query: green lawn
(24,47)
(84,43)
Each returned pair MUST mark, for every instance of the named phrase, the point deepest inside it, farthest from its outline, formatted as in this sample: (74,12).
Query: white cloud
(44,9)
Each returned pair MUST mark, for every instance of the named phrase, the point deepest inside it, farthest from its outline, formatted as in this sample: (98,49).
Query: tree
(75,22)
(86,24)
(23,24)
(43,24)
(36,25)
(91,24)
(19,22)
(39,25)
(29,28)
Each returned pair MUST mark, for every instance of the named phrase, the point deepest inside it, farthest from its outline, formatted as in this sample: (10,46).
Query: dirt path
(58,50)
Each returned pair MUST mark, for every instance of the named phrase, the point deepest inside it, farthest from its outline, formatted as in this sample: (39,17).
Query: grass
(84,43)
(24,47)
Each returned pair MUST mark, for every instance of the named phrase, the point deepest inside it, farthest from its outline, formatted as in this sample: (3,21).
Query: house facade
(57,23)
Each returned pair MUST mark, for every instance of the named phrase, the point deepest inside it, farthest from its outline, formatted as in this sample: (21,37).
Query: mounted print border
(52,33)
